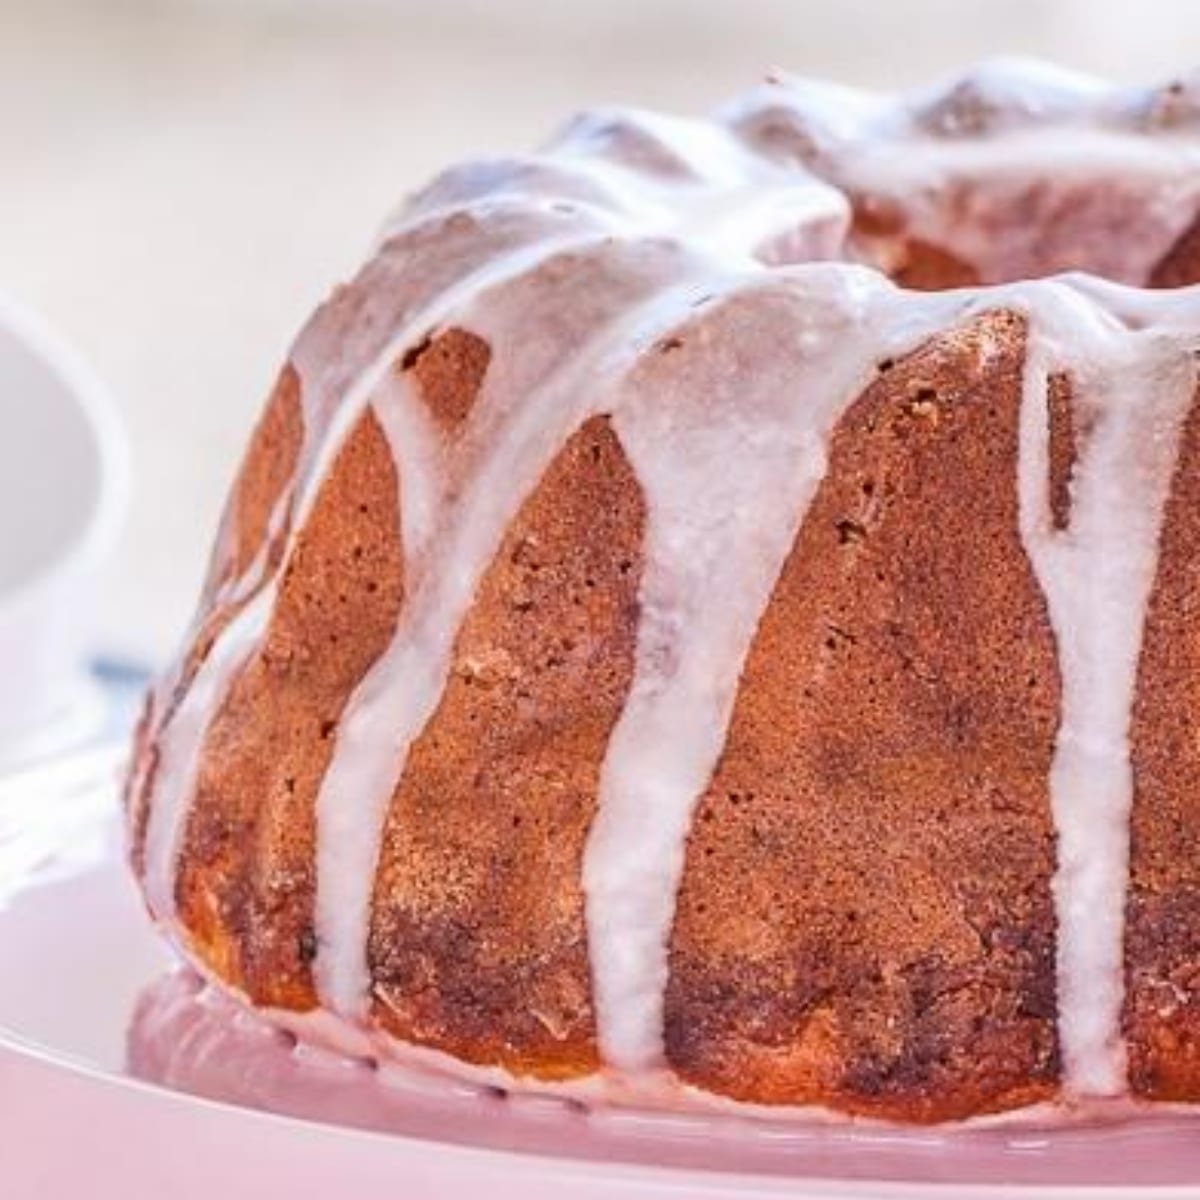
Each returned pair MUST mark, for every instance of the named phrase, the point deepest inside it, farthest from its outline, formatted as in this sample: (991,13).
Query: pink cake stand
(122,1078)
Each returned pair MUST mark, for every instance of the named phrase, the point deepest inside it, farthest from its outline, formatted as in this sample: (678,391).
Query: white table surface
(180,182)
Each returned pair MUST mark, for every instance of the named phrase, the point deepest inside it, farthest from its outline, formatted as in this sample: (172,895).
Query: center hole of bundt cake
(970,232)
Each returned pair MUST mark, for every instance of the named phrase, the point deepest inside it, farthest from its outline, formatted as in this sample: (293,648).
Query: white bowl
(64,483)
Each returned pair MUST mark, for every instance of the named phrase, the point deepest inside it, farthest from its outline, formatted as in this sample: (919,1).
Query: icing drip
(1132,389)
(728,437)
(179,744)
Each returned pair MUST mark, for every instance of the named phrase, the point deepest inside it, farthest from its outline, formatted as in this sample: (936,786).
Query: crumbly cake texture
(708,615)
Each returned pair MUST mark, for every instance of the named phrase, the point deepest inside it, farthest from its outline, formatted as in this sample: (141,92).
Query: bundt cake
(711,615)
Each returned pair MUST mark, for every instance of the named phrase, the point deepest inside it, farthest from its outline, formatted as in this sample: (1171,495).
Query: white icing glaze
(572,265)
(1132,389)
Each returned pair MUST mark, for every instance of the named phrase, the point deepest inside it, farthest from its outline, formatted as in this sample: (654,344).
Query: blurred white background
(182,180)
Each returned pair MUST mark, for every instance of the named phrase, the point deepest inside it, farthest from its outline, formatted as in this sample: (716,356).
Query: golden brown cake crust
(1063,447)
(865,918)
(930,268)
(913,261)
(449,370)
(1162,936)
(1180,266)
(246,885)
(478,945)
